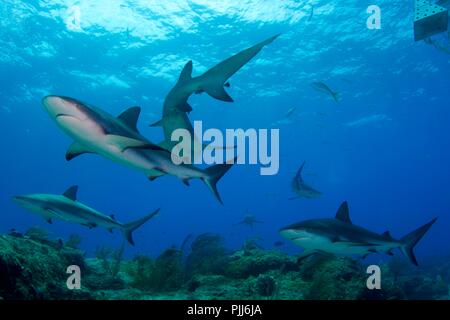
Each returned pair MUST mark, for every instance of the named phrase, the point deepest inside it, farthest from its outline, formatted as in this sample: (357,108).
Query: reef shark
(249,220)
(213,82)
(301,188)
(118,139)
(323,87)
(66,207)
(340,236)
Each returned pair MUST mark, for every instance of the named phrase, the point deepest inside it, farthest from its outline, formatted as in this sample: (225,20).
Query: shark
(323,87)
(66,207)
(118,139)
(249,220)
(213,82)
(302,189)
(339,236)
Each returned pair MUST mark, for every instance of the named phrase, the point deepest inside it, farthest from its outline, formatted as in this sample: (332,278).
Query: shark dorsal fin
(130,117)
(387,235)
(186,73)
(298,176)
(71,193)
(343,213)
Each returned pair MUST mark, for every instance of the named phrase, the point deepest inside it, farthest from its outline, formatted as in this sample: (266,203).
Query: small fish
(311,14)
(278,244)
(287,119)
(290,112)
(322,87)
(368,120)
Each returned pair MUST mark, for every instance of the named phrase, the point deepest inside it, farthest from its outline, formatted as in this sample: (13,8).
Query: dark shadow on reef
(34,267)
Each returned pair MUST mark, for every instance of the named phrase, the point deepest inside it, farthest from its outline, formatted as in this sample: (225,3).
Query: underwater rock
(97,277)
(73,241)
(193,284)
(335,279)
(33,270)
(165,273)
(265,286)
(207,255)
(244,263)
(423,287)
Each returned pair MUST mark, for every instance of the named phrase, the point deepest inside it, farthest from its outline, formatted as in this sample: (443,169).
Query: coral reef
(32,266)
(206,256)
(30,269)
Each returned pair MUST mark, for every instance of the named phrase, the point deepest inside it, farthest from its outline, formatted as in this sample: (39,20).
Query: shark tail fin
(411,239)
(336,96)
(217,91)
(299,171)
(213,175)
(129,228)
(215,79)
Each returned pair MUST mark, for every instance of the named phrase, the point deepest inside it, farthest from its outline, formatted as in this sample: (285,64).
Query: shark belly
(179,120)
(93,138)
(325,244)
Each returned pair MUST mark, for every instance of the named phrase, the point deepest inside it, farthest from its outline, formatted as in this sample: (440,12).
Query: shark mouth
(64,115)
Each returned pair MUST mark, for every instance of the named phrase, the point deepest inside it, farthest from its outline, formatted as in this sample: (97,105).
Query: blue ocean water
(383,147)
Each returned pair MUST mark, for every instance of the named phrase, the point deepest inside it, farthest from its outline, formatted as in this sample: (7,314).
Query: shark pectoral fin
(76,149)
(185,107)
(335,239)
(90,225)
(110,230)
(124,143)
(305,254)
(49,220)
(158,123)
(167,145)
(218,92)
(154,174)
(185,181)
(389,252)
(130,117)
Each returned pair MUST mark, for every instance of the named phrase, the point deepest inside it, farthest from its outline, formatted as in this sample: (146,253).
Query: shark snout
(58,105)
(21,199)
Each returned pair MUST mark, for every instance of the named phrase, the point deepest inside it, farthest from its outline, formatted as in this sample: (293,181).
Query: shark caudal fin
(128,228)
(215,79)
(213,175)
(335,96)
(411,239)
